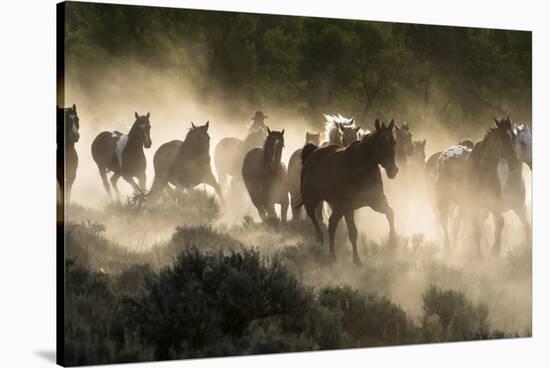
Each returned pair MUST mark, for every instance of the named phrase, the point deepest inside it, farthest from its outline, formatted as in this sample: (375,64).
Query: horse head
(523,144)
(502,140)
(349,132)
(419,150)
(72,125)
(404,140)
(141,130)
(384,147)
(198,138)
(314,138)
(273,148)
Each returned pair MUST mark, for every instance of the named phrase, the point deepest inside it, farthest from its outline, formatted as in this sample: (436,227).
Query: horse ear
(193,125)
(377,124)
(148,114)
(390,127)
(497,123)
(268,130)
(283,132)
(352,120)
(136,115)
(74,107)
(207,124)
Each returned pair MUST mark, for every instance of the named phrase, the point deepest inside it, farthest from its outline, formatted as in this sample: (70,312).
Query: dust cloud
(112,96)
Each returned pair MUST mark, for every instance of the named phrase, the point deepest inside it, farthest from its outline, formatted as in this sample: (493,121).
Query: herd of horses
(468,180)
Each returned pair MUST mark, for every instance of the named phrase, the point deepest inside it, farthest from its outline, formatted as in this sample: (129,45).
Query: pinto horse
(123,154)
(294,171)
(184,164)
(265,176)
(349,178)
(67,160)
(470,180)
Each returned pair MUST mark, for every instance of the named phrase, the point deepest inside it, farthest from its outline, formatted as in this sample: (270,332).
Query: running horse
(349,178)
(294,171)
(184,164)
(265,176)
(472,180)
(123,154)
(230,151)
(67,160)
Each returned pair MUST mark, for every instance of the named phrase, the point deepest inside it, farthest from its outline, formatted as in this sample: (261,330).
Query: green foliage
(368,319)
(460,76)
(204,298)
(218,298)
(450,316)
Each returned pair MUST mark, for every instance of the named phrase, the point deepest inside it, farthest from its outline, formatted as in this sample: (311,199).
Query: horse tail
(306,151)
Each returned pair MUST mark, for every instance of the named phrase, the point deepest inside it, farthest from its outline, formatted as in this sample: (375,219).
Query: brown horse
(294,171)
(348,179)
(471,180)
(67,158)
(123,154)
(184,164)
(265,176)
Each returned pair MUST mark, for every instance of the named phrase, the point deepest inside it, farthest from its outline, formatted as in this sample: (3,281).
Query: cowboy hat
(259,115)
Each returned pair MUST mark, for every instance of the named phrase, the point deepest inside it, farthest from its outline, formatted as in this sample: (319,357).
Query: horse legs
(114,180)
(132,182)
(284,206)
(443,211)
(312,213)
(103,174)
(521,212)
(211,180)
(142,180)
(333,221)
(264,214)
(456,224)
(383,207)
(296,212)
(476,228)
(68,188)
(499,224)
(352,232)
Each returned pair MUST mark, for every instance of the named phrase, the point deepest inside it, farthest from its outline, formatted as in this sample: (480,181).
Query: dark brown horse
(67,158)
(265,176)
(349,178)
(294,171)
(230,151)
(123,154)
(471,180)
(184,164)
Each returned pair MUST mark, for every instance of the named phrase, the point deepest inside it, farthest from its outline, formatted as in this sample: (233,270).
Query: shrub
(368,319)
(207,298)
(450,316)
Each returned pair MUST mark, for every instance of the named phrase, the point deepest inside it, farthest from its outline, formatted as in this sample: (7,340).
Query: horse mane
(331,126)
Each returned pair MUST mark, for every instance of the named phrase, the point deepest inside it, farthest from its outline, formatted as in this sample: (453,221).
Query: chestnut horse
(349,178)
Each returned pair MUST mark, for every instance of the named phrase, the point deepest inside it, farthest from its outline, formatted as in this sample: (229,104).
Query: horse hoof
(357,261)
